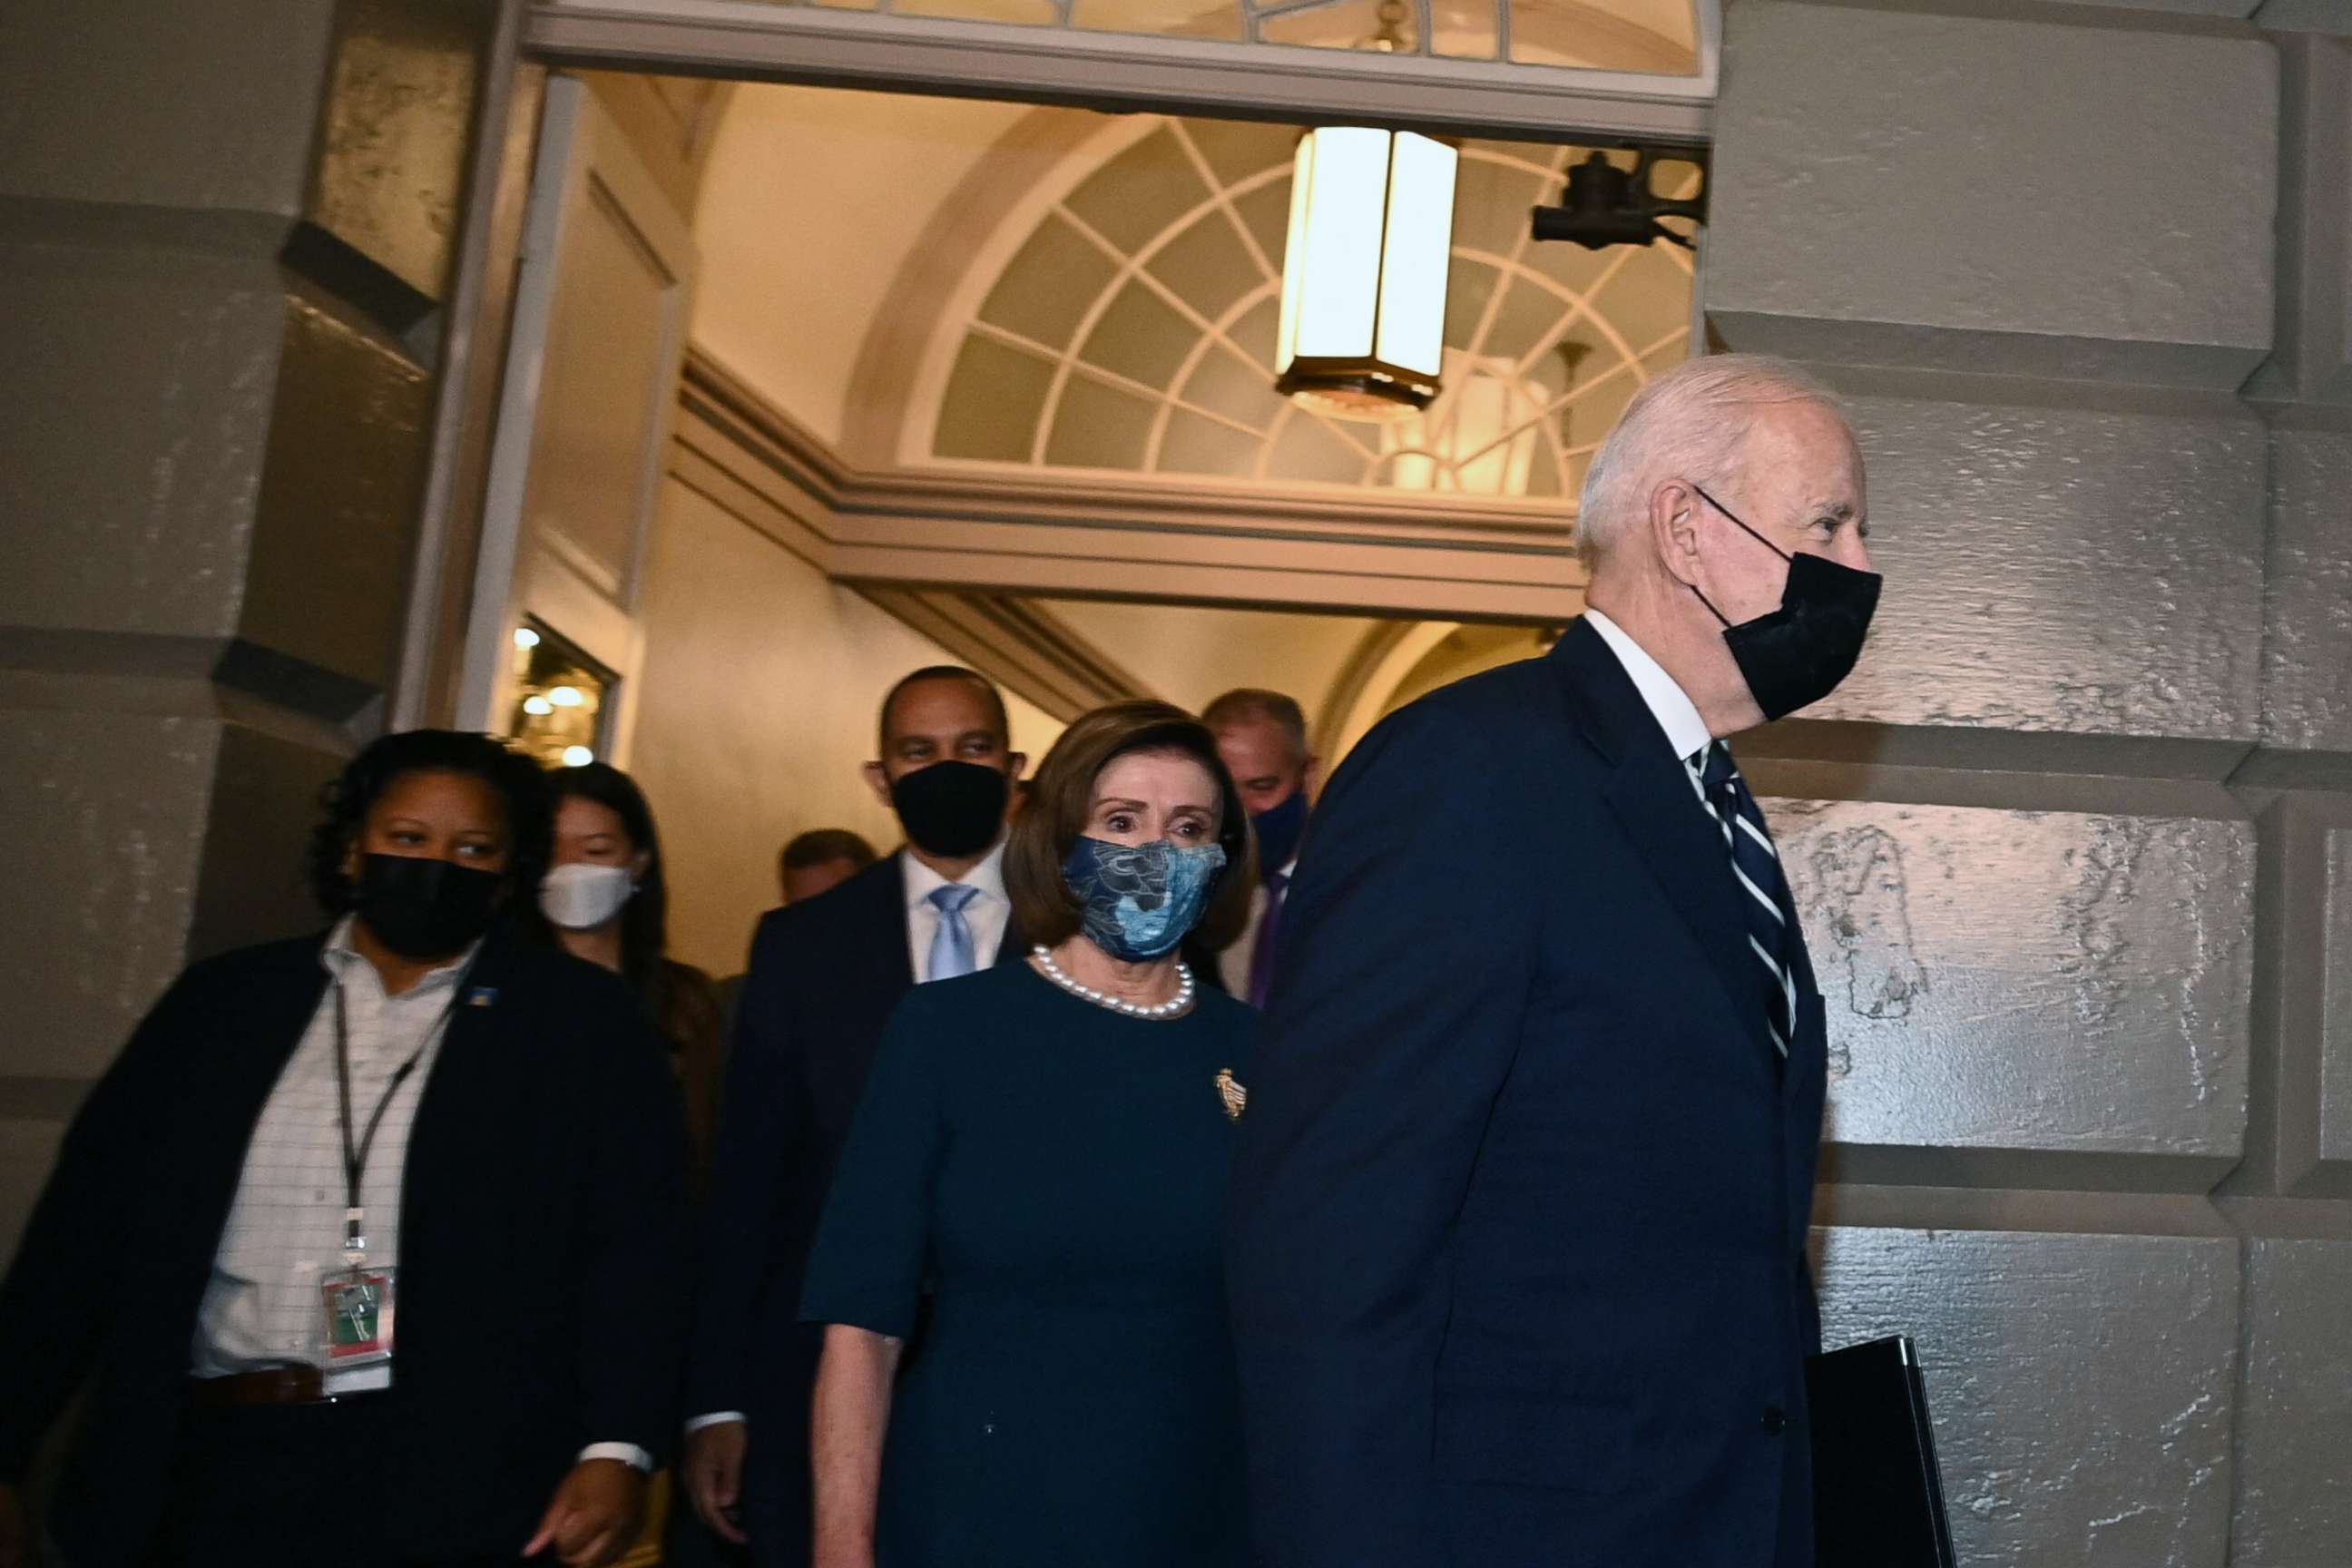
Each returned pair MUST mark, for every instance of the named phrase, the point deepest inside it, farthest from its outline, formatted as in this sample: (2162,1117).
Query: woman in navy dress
(1026,1359)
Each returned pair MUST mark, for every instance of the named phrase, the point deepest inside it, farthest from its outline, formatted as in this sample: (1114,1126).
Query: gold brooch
(1235,1096)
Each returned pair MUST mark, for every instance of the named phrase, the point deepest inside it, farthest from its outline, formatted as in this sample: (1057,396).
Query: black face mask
(424,907)
(1796,655)
(1279,830)
(951,809)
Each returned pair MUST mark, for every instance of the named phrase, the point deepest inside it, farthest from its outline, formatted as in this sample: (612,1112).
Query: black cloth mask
(424,907)
(1279,830)
(951,809)
(1797,655)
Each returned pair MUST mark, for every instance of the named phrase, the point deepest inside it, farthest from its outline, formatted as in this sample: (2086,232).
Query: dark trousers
(1795,1545)
(290,1486)
(778,1512)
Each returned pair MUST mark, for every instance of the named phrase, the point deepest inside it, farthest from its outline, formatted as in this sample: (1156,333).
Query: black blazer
(1517,1226)
(823,977)
(543,1202)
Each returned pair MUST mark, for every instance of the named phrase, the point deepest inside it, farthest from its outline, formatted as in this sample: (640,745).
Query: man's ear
(879,782)
(1673,528)
(1015,765)
(1310,777)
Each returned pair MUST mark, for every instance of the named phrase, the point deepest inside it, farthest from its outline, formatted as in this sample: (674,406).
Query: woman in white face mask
(605,897)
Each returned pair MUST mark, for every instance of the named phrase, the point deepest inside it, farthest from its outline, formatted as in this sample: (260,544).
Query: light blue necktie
(952,951)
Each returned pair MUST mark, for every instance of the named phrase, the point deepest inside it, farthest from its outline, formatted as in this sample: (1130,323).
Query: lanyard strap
(355,1154)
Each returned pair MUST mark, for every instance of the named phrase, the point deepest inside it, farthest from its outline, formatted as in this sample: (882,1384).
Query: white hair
(1688,424)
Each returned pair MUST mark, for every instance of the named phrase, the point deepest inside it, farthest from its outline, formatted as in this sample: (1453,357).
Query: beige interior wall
(800,249)
(757,705)
(1188,654)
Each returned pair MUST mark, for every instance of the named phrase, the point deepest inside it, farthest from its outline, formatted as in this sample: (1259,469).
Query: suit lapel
(897,973)
(1649,791)
(476,1095)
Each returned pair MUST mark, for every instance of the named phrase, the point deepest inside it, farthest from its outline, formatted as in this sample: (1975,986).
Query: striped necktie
(1766,910)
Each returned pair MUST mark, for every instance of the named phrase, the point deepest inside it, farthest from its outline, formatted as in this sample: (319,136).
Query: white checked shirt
(262,1307)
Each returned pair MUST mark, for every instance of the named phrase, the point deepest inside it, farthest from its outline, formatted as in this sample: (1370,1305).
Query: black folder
(1878,1499)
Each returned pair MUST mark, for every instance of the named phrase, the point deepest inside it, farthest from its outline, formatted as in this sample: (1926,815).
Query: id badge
(358,1306)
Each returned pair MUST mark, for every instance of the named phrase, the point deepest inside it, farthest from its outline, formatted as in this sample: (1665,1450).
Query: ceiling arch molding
(963,247)
(1359,696)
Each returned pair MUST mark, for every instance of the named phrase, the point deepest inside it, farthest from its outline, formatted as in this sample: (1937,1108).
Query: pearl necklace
(1181,1002)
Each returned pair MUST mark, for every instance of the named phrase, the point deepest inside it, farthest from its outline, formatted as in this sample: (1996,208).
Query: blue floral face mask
(1140,899)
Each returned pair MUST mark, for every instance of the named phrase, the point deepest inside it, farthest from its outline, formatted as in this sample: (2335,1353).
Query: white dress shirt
(262,1306)
(988,913)
(1676,714)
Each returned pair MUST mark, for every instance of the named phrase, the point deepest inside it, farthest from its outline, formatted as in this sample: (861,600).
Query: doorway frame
(823,47)
(753,40)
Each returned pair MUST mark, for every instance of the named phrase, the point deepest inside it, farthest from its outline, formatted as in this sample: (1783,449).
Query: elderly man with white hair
(1516,1244)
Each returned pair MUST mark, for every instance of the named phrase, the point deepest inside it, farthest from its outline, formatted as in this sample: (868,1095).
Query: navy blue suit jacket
(824,976)
(1518,1228)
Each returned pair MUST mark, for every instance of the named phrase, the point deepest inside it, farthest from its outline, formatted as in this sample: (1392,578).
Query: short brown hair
(1255,705)
(1063,803)
(821,845)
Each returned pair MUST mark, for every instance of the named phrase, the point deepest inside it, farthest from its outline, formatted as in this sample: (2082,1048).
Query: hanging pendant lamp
(1362,329)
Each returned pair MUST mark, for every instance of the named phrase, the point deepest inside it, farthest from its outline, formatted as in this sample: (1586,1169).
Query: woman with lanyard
(367,1243)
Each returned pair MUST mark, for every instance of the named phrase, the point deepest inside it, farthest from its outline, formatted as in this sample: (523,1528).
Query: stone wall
(224,231)
(2075,846)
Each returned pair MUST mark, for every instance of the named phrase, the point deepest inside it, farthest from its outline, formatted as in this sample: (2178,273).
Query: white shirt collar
(922,881)
(1676,714)
(343,960)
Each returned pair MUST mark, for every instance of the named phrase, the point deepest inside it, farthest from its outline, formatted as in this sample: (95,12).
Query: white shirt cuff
(716,1419)
(629,1454)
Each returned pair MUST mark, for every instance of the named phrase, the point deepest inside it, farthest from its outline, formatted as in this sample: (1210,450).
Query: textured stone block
(2335,1042)
(2233,9)
(205,105)
(2028,981)
(2307,684)
(105,814)
(2061,569)
(27,1149)
(2295,1429)
(392,152)
(1901,188)
(2081,1385)
(334,522)
(265,807)
(128,465)
(2306,15)
(2311,360)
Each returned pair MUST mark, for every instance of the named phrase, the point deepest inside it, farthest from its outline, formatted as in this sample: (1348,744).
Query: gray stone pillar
(2073,846)
(224,229)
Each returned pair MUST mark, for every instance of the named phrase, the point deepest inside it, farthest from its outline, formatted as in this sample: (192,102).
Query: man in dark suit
(1518,1219)
(823,977)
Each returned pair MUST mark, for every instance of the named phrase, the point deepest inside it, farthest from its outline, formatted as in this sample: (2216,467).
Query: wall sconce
(1606,206)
